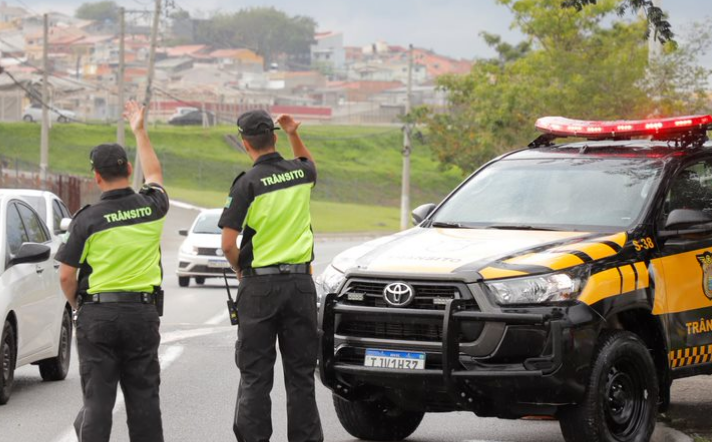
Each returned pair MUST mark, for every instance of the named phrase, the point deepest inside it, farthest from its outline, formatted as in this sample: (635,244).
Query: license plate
(218,263)
(401,360)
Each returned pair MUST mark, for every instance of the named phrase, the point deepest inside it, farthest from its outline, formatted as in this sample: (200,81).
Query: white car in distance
(201,256)
(35,318)
(33,113)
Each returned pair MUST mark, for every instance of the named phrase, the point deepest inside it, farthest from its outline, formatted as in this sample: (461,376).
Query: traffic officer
(114,246)
(269,204)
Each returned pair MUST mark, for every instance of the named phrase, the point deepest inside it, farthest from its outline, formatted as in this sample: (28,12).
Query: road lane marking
(183,205)
(167,357)
(194,333)
(217,319)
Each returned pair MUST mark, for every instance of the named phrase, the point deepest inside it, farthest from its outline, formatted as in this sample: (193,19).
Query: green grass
(327,217)
(356,164)
(359,168)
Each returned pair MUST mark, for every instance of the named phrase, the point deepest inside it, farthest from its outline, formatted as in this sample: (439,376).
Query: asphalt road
(199,379)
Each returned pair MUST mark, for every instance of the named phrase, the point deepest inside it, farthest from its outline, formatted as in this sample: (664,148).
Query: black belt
(110,297)
(279,269)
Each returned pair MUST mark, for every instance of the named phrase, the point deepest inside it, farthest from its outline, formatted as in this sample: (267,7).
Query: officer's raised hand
(135,114)
(289,125)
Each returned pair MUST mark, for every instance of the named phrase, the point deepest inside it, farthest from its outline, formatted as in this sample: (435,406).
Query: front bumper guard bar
(455,376)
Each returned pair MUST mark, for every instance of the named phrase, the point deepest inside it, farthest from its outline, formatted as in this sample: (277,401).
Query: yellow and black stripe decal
(561,257)
(690,356)
(615,281)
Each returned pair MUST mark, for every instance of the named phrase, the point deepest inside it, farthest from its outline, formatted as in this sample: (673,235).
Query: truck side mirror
(422,212)
(680,219)
(183,232)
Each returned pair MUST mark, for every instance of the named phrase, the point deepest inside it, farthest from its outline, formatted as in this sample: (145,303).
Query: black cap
(255,122)
(107,155)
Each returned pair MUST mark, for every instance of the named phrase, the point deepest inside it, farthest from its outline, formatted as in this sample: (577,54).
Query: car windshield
(207,223)
(558,194)
(37,203)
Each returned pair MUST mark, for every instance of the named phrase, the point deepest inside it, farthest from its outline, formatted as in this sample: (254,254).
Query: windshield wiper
(447,225)
(519,227)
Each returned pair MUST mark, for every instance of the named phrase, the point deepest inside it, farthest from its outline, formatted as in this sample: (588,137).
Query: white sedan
(201,256)
(49,206)
(35,318)
(33,113)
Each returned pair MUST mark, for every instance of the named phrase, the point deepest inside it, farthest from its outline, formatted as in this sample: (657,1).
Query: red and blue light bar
(596,130)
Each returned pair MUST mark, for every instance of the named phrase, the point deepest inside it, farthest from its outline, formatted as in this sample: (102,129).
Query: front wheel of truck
(621,398)
(376,420)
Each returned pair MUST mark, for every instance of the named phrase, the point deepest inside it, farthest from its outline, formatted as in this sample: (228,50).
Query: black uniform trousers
(279,307)
(118,344)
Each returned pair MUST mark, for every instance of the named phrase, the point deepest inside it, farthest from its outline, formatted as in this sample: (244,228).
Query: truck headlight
(328,282)
(535,290)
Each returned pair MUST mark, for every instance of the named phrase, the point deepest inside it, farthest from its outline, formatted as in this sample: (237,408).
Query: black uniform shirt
(116,242)
(269,204)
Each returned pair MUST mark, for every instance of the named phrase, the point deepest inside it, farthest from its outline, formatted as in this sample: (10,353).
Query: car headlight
(189,249)
(535,290)
(328,282)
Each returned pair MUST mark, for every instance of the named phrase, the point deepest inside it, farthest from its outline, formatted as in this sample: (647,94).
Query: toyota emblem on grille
(219,252)
(398,294)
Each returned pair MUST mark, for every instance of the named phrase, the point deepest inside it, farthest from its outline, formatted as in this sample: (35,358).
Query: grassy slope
(358,166)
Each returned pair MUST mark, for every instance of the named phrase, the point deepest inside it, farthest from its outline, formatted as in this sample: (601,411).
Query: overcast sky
(451,27)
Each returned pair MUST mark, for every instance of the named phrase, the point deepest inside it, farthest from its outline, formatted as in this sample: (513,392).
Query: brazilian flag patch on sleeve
(228,202)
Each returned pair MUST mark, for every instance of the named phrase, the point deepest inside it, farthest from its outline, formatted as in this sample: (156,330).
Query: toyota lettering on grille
(398,294)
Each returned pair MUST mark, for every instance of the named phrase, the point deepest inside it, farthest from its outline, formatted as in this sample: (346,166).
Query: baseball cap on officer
(106,156)
(255,122)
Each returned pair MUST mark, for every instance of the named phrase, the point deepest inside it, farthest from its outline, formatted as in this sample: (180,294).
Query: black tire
(183,281)
(28,118)
(376,421)
(621,398)
(200,280)
(62,119)
(56,369)
(8,358)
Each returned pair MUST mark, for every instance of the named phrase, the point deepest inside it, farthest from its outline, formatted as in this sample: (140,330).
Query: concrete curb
(663,433)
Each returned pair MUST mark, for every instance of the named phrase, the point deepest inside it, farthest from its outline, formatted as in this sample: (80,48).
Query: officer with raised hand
(111,271)
(269,204)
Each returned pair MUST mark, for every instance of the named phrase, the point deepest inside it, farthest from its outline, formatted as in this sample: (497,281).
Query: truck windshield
(560,194)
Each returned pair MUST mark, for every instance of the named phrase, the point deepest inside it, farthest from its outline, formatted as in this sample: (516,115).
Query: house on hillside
(388,71)
(173,66)
(12,44)
(241,60)
(9,14)
(192,51)
(328,52)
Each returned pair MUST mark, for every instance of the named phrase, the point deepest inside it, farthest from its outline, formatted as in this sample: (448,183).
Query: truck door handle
(56,265)
(39,269)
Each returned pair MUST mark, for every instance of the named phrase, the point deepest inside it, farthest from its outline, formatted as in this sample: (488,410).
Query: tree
(580,65)
(99,11)
(656,17)
(266,30)
(676,82)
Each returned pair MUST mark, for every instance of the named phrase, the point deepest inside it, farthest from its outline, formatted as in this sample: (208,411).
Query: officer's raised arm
(289,125)
(136,116)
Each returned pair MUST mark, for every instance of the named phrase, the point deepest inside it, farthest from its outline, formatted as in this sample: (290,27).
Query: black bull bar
(456,378)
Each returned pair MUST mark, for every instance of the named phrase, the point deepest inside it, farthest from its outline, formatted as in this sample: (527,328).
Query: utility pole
(120,132)
(138,173)
(44,137)
(405,183)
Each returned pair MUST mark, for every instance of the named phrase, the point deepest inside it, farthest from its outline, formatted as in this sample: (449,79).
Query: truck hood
(492,253)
